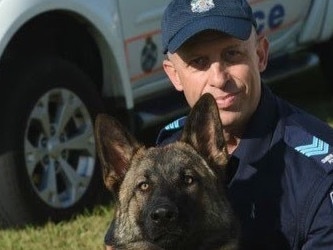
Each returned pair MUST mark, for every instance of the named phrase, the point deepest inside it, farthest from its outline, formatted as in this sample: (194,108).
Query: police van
(64,61)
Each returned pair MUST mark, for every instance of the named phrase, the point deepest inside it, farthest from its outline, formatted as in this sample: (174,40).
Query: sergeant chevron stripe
(318,147)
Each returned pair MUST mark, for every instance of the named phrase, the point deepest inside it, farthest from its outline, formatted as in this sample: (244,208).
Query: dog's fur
(173,196)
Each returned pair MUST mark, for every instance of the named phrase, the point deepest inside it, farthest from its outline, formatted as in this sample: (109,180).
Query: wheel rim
(59,148)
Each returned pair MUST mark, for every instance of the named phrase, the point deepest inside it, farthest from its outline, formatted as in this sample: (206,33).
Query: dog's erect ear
(203,131)
(115,148)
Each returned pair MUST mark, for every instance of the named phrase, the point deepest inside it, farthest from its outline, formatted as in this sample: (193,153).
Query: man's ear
(203,131)
(115,148)
(172,73)
(262,52)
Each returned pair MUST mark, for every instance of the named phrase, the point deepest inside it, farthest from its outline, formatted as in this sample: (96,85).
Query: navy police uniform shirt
(280,177)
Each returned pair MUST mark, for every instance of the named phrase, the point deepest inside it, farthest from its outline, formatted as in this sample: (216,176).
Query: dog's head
(167,194)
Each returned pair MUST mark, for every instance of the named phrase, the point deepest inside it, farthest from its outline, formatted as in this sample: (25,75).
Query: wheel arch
(56,33)
(69,36)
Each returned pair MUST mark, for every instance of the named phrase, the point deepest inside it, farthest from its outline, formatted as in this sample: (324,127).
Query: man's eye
(232,56)
(199,63)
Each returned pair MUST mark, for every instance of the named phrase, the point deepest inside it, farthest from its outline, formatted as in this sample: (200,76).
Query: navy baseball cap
(183,19)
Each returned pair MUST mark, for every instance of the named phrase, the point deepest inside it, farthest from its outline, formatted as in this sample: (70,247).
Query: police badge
(202,5)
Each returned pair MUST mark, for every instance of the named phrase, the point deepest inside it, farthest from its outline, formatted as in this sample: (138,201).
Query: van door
(141,21)
(280,20)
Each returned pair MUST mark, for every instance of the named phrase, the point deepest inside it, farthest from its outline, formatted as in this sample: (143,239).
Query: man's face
(226,67)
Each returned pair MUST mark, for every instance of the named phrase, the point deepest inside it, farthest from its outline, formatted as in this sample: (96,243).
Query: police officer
(280,170)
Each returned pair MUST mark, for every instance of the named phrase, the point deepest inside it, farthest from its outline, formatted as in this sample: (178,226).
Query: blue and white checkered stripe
(179,123)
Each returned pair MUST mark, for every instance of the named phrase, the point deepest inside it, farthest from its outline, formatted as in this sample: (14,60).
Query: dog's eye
(143,186)
(188,179)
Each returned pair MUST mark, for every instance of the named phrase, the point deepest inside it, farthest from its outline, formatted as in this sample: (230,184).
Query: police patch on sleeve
(310,146)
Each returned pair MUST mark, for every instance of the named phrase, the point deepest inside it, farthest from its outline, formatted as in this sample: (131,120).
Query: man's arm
(320,235)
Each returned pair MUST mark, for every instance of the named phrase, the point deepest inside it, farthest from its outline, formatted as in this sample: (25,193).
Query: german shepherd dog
(173,196)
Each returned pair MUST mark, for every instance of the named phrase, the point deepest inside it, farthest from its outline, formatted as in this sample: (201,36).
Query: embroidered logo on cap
(202,5)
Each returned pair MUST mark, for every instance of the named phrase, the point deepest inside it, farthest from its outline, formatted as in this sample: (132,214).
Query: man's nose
(219,74)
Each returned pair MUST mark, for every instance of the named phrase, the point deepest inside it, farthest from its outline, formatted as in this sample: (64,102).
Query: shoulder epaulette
(177,124)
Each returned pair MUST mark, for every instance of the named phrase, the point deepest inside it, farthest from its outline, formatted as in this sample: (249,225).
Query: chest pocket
(257,194)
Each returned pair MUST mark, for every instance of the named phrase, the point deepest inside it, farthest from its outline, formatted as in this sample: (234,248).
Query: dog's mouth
(167,239)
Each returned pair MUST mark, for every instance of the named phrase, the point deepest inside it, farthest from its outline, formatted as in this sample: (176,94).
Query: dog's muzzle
(165,215)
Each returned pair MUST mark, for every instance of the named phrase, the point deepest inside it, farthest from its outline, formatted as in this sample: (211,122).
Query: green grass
(84,232)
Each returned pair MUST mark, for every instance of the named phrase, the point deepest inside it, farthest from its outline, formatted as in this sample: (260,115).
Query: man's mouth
(224,102)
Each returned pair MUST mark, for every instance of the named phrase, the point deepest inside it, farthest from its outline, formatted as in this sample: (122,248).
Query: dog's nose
(162,215)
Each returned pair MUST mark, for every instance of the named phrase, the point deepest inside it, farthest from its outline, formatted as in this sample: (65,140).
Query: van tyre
(48,165)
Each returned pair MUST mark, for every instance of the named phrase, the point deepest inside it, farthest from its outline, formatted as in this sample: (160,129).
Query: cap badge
(202,5)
